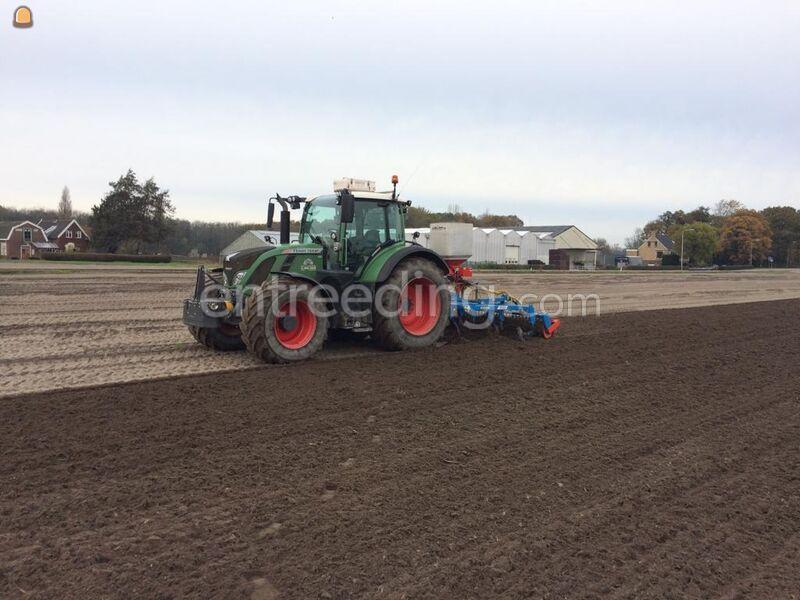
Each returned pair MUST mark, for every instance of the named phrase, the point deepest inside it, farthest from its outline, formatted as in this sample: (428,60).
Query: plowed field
(647,454)
(80,325)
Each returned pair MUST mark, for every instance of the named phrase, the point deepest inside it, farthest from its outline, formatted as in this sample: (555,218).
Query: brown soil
(635,455)
(101,324)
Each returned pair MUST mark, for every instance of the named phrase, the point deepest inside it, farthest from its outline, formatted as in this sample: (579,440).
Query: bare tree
(726,208)
(636,239)
(65,205)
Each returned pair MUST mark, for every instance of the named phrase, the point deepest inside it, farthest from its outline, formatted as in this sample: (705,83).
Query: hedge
(101,257)
(509,267)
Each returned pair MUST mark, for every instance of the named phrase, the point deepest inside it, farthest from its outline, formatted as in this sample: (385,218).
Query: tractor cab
(352,225)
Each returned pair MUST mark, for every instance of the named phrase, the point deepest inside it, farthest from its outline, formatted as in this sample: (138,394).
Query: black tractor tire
(389,329)
(223,339)
(347,335)
(261,327)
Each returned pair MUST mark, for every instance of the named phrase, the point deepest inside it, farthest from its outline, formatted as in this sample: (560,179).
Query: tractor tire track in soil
(650,454)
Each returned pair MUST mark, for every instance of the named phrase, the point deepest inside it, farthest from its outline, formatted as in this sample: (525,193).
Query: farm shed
(536,246)
(579,250)
(495,248)
(424,238)
(523,244)
(480,244)
(254,238)
(512,248)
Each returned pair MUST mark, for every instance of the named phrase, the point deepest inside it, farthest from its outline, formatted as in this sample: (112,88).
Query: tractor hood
(240,261)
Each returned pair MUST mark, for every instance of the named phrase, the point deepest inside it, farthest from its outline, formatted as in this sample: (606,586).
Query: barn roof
(7,226)
(553,230)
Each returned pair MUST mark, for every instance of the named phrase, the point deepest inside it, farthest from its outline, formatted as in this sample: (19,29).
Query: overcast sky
(561,112)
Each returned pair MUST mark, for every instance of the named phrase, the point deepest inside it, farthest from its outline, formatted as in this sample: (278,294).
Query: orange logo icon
(23,17)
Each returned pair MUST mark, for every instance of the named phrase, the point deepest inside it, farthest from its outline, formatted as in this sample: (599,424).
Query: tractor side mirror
(270,215)
(348,206)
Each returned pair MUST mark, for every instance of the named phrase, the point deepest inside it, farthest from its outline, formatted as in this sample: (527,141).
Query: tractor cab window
(321,218)
(375,222)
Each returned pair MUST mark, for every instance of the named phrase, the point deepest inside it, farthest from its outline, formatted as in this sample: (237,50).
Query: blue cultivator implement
(497,309)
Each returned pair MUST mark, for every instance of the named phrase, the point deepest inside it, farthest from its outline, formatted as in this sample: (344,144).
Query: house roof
(7,226)
(666,240)
(55,229)
(46,245)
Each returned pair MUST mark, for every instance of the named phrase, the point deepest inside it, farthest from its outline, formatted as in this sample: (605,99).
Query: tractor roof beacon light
(395,179)
(23,17)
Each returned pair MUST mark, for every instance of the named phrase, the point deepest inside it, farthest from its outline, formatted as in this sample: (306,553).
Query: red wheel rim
(421,306)
(295,329)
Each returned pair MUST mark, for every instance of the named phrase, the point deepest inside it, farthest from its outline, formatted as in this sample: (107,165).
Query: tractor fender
(409,252)
(312,282)
(304,279)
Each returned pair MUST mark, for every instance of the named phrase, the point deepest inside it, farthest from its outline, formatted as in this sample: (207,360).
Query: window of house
(69,234)
(78,234)
(659,254)
(27,235)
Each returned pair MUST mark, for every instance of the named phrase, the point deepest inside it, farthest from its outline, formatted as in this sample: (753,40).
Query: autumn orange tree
(743,232)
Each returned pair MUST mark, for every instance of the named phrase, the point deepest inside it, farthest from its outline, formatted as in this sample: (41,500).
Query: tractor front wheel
(225,338)
(282,322)
(412,307)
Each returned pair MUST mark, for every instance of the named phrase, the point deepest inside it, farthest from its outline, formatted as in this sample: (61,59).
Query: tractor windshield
(321,218)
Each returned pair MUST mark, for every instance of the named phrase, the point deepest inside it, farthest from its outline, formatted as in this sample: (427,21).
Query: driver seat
(372,238)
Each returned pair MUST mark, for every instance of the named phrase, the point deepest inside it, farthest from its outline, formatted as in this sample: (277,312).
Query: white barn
(424,238)
(255,238)
(480,241)
(522,245)
(536,246)
(579,250)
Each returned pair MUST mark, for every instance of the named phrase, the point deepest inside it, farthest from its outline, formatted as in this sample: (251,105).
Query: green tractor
(350,273)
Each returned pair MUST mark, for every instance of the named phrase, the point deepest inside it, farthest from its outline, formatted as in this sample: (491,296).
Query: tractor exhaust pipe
(285,226)
(285,217)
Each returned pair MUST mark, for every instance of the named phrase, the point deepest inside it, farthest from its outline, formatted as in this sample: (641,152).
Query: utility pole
(752,241)
(683,235)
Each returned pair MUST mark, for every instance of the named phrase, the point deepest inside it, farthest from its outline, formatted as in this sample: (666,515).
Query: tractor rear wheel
(412,306)
(225,338)
(281,322)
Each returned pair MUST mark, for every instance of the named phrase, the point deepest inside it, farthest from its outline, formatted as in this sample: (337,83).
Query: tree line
(422,217)
(139,218)
(730,233)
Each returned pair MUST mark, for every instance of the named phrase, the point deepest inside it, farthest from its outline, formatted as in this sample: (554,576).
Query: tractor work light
(353,185)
